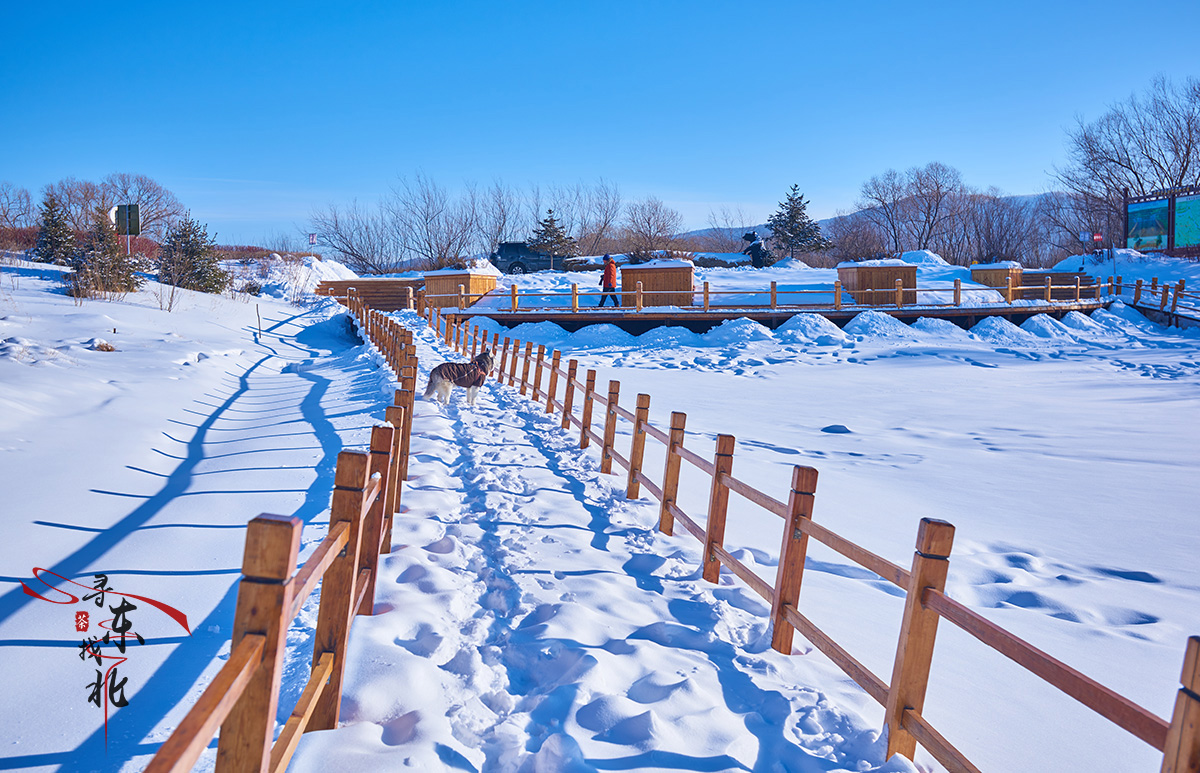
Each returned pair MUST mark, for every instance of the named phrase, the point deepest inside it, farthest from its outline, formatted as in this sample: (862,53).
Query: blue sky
(254,113)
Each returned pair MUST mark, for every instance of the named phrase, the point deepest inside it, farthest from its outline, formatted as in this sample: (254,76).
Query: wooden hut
(442,287)
(997,275)
(382,293)
(873,283)
(664,283)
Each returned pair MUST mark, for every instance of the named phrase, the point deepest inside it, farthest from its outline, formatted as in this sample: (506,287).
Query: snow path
(208,438)
(531,618)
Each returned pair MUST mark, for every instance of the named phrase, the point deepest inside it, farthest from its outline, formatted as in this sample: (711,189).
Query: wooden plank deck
(699,321)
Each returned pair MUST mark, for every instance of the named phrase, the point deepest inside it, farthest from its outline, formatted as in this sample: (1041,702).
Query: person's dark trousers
(609,292)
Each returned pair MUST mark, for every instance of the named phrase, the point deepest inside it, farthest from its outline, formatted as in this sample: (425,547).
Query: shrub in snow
(188,259)
(100,266)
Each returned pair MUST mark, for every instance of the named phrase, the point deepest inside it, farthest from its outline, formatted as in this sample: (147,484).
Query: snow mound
(923,258)
(998,330)
(669,338)
(789,263)
(810,328)
(737,331)
(876,324)
(940,328)
(546,333)
(595,336)
(286,277)
(1081,323)
(1045,326)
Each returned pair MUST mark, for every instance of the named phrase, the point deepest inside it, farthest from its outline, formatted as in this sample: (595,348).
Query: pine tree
(549,238)
(101,265)
(792,229)
(55,240)
(188,259)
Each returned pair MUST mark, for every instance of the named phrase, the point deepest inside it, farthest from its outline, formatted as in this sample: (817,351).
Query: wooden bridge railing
(899,296)
(243,697)
(926,603)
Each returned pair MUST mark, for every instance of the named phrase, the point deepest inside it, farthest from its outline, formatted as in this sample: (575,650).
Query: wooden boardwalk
(698,320)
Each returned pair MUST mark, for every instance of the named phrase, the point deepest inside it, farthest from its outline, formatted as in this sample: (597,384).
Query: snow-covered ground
(529,616)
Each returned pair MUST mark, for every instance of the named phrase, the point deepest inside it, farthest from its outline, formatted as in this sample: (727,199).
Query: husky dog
(448,375)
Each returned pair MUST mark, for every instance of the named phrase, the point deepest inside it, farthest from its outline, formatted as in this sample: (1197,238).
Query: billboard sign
(1148,223)
(1187,221)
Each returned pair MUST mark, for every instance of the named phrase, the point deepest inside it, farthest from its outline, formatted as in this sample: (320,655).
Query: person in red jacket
(608,280)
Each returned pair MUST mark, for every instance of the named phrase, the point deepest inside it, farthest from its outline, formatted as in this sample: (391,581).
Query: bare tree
(79,199)
(600,210)
(430,227)
(651,225)
(932,192)
(499,216)
(365,241)
(16,207)
(1143,144)
(725,229)
(158,209)
(883,201)
(855,235)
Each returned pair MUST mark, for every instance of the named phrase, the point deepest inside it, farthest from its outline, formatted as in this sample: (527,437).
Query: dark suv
(517,258)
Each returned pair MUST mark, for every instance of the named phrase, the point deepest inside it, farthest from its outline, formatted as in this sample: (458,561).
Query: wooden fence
(1173,300)
(926,603)
(243,697)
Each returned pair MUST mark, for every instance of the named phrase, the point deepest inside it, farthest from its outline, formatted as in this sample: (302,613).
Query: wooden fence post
(338,585)
(1164,292)
(408,298)
(718,503)
(610,426)
(1047,293)
(638,295)
(837,294)
(670,487)
(706,295)
(637,447)
(1182,752)
(503,361)
(899,293)
(475,341)
(552,387)
(1119,286)
(958,292)
(382,440)
(790,573)
(1175,298)
(525,366)
(1008,289)
(1137,292)
(406,396)
(513,288)
(569,393)
(512,365)
(585,424)
(914,653)
(1078,289)
(462,300)
(394,415)
(574,297)
(537,372)
(264,602)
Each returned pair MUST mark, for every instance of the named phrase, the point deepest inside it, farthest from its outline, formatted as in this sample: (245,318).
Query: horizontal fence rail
(926,603)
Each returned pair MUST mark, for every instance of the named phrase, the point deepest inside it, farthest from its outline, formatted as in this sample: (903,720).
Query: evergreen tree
(101,265)
(549,238)
(792,229)
(188,258)
(55,240)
